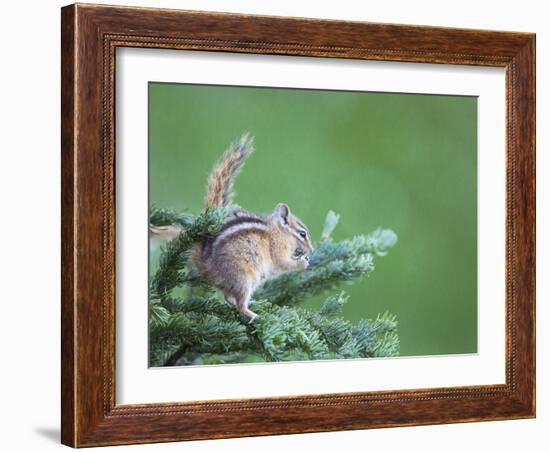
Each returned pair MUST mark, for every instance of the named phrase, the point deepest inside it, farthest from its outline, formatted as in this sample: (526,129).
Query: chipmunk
(249,248)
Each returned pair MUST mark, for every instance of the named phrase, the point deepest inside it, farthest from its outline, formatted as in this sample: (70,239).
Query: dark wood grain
(67,226)
(90,36)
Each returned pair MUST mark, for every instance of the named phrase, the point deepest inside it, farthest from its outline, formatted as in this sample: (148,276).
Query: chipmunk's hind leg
(230,300)
(243,300)
(238,285)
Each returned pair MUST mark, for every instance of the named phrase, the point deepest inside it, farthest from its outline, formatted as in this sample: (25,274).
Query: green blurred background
(401,161)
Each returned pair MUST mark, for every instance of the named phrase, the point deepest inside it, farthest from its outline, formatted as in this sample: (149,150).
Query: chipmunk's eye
(302,233)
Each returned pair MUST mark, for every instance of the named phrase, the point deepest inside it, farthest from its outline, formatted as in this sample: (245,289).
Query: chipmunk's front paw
(300,258)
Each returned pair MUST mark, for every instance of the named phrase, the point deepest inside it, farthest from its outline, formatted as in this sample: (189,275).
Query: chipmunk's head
(294,235)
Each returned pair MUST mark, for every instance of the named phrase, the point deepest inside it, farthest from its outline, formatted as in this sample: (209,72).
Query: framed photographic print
(281,225)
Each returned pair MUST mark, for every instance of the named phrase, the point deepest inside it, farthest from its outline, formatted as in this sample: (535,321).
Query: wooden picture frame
(90,35)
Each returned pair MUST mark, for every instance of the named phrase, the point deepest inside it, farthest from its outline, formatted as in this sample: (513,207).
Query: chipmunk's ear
(282,212)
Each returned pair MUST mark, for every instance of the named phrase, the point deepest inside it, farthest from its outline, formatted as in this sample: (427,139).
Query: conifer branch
(330,264)
(174,270)
(199,327)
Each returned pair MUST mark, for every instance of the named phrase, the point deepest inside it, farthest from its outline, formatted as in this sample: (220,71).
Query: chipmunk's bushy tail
(219,192)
